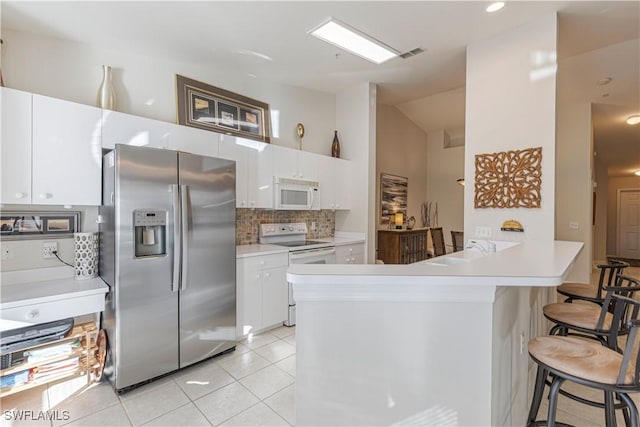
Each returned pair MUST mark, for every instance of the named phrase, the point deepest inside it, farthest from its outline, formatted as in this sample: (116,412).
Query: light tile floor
(253,386)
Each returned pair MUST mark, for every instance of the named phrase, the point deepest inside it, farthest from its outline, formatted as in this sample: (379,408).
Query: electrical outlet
(48,248)
(483,232)
(574,225)
(314,225)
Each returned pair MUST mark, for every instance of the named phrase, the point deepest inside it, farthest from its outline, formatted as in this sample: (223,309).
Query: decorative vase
(106,94)
(335,147)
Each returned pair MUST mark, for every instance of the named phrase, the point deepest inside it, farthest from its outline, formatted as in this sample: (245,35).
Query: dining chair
(457,239)
(437,240)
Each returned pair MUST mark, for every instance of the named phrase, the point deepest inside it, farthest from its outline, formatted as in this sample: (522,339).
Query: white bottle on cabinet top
(15,146)
(67,153)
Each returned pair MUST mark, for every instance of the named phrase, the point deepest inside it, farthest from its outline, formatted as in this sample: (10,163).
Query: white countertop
(523,264)
(341,238)
(27,287)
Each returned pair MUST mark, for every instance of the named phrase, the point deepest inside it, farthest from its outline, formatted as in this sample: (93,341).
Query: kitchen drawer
(48,311)
(267,261)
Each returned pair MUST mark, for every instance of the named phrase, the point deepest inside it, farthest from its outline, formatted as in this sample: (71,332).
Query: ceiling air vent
(412,52)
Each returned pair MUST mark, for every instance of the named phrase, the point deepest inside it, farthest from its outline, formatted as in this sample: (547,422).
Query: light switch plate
(574,225)
(483,232)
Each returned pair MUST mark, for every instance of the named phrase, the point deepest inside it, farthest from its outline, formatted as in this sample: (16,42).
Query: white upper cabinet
(67,155)
(193,140)
(15,146)
(335,184)
(120,128)
(291,163)
(254,170)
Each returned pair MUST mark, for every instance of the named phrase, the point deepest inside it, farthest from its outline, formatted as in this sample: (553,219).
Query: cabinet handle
(350,249)
(252,203)
(347,259)
(242,203)
(19,195)
(267,274)
(257,276)
(45,195)
(300,175)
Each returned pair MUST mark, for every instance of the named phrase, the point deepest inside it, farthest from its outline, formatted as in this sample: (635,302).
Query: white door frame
(619,192)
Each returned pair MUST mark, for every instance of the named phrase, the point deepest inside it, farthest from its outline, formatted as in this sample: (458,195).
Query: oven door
(313,256)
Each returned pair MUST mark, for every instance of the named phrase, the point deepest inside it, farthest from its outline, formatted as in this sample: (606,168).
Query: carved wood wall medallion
(509,179)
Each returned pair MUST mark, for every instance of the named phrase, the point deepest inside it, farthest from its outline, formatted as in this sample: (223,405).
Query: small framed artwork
(38,225)
(208,107)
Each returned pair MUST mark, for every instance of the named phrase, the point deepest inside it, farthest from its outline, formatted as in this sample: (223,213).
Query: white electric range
(301,251)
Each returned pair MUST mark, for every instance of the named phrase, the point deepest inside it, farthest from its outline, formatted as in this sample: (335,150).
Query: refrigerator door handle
(177,244)
(184,215)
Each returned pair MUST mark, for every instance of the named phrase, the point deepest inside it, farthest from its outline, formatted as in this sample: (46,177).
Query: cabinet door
(120,128)
(328,184)
(260,175)
(67,154)
(343,184)
(309,165)
(285,162)
(193,140)
(274,296)
(249,298)
(15,146)
(350,254)
(230,149)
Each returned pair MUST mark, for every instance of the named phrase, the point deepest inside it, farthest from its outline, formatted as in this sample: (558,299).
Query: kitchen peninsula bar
(439,342)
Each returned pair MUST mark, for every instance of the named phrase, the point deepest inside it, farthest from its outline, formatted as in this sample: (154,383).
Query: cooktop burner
(300,243)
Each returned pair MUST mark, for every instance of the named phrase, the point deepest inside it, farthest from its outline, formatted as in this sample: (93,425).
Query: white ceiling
(269,41)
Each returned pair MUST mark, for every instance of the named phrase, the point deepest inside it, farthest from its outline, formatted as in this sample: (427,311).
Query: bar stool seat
(584,316)
(579,357)
(584,291)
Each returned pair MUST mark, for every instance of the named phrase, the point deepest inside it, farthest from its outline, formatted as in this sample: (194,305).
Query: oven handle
(312,253)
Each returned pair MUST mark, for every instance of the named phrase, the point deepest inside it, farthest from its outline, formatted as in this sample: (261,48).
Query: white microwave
(296,194)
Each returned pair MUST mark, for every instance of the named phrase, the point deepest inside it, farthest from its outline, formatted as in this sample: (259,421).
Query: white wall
(145,85)
(444,166)
(600,228)
(509,108)
(355,121)
(574,148)
(615,184)
(401,150)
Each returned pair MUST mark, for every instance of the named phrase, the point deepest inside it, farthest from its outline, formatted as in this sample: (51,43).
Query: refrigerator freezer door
(146,307)
(208,296)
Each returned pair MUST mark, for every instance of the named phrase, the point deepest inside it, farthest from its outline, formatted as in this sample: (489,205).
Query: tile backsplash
(248,221)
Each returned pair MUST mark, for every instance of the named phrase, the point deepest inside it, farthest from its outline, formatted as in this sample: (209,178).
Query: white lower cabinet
(262,294)
(350,254)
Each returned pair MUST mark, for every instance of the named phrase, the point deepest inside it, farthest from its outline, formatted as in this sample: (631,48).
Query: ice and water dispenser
(150,232)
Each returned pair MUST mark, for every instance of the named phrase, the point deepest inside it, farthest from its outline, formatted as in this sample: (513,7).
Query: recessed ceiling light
(494,7)
(604,81)
(633,120)
(348,38)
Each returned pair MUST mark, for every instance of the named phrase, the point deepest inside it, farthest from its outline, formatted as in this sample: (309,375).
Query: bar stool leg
(553,401)
(632,409)
(609,410)
(538,390)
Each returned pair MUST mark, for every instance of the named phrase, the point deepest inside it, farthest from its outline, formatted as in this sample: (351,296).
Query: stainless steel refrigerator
(168,255)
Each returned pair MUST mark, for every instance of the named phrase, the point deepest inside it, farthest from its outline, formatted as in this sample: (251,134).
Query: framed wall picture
(38,225)
(393,196)
(208,107)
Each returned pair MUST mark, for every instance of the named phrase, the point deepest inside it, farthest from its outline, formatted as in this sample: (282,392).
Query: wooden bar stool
(457,240)
(437,239)
(585,291)
(591,320)
(586,362)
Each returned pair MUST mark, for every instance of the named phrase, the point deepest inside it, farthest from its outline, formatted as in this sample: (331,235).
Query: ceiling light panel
(348,38)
